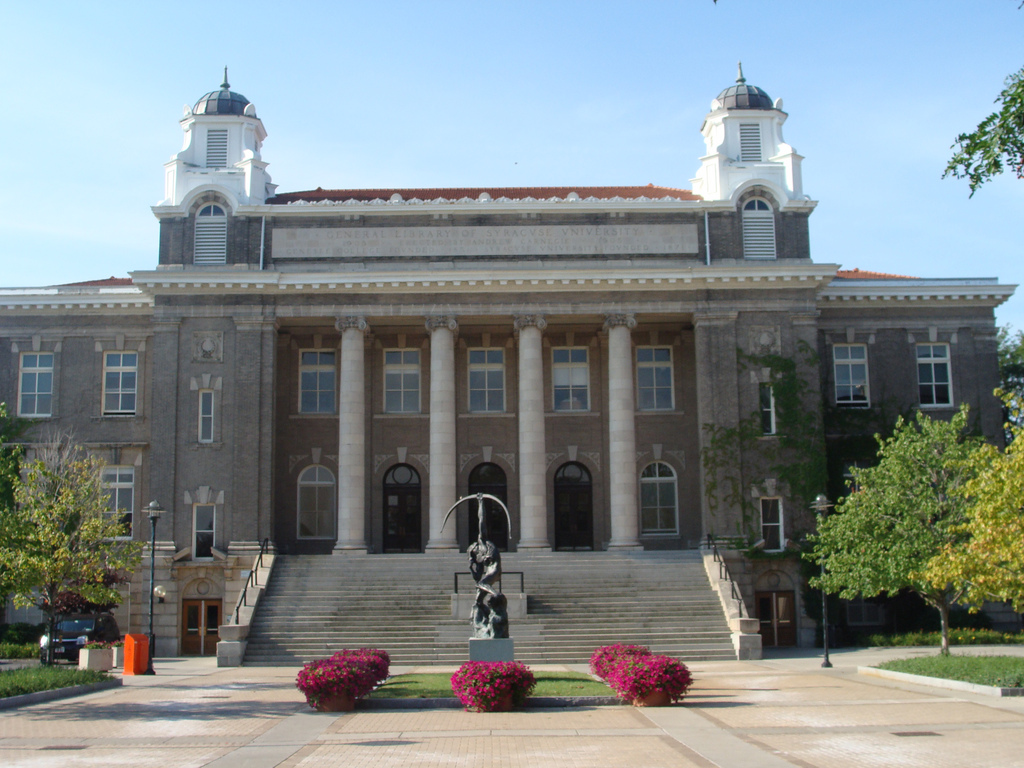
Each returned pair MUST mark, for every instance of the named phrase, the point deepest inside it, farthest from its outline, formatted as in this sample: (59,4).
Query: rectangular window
(766,397)
(120,485)
(658,500)
(120,378)
(316,381)
(851,368)
(750,143)
(217,148)
(35,396)
(771,524)
(486,380)
(206,416)
(401,381)
(654,378)
(570,376)
(860,612)
(933,382)
(204,520)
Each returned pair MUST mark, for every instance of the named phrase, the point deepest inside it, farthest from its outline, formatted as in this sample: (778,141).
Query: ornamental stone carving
(342,324)
(626,320)
(442,321)
(207,347)
(523,321)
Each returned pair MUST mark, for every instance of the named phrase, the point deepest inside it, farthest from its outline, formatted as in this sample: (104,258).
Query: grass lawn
(1000,671)
(15,682)
(439,686)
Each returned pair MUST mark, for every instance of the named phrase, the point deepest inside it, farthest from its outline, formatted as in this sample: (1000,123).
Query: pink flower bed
(483,685)
(607,656)
(346,673)
(634,677)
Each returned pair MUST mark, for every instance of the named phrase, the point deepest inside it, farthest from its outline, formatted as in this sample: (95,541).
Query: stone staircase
(577,601)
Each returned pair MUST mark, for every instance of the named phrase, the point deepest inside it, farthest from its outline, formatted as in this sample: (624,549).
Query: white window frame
(758,224)
(570,377)
(750,143)
(933,362)
(767,526)
(322,478)
(312,371)
(665,478)
(196,531)
(655,389)
(402,380)
(211,235)
(766,407)
(207,414)
(118,390)
(119,482)
(843,359)
(217,148)
(31,369)
(489,366)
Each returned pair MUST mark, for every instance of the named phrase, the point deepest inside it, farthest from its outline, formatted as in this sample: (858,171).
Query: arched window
(402,519)
(758,230)
(211,246)
(317,510)
(659,505)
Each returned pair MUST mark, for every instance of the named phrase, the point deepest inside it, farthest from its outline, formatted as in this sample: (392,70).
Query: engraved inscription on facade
(530,240)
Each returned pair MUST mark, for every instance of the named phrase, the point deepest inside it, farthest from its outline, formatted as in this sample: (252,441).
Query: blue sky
(519,93)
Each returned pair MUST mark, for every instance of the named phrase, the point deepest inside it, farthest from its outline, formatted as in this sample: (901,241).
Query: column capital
(357,322)
(435,322)
(524,321)
(620,320)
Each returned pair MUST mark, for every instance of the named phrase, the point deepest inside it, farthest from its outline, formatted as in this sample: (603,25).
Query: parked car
(75,630)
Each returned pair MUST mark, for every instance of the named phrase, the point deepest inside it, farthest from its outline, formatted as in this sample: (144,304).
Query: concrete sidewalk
(782,711)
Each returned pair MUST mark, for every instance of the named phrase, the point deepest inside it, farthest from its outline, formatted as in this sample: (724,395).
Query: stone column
(718,404)
(352,436)
(442,431)
(622,433)
(533,518)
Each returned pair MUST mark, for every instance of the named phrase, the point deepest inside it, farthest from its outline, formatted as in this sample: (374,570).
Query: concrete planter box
(118,657)
(101,659)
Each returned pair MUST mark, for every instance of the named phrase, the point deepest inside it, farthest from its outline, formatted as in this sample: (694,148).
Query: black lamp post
(154,514)
(821,505)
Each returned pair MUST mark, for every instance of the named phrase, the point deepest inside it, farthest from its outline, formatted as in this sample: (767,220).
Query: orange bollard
(136,654)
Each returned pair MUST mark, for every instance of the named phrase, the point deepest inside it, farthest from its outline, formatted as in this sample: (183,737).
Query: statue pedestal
(487,649)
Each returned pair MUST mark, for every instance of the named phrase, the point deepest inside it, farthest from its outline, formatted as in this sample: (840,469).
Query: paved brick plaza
(777,712)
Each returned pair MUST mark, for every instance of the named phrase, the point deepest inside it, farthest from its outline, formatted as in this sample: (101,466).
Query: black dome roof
(222,102)
(743,96)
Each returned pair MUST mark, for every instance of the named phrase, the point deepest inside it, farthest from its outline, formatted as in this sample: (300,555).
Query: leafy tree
(904,511)
(998,140)
(1011,375)
(58,536)
(991,561)
(11,429)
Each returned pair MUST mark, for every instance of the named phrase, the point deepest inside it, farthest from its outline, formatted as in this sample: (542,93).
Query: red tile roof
(457,193)
(859,274)
(107,282)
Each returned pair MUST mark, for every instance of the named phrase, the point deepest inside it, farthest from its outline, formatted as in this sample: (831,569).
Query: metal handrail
(723,573)
(252,578)
(522,588)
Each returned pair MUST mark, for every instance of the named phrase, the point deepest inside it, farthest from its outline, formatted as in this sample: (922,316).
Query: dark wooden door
(777,613)
(574,508)
(200,624)
(402,515)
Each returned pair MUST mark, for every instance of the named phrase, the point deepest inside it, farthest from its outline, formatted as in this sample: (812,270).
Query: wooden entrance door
(777,613)
(200,622)
(574,508)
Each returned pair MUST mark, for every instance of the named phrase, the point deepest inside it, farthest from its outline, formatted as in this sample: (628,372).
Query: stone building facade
(628,367)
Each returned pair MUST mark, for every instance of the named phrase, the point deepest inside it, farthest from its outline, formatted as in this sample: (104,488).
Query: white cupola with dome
(743,136)
(221,152)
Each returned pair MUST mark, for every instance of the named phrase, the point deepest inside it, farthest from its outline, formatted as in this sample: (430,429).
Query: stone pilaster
(533,519)
(352,436)
(622,433)
(442,430)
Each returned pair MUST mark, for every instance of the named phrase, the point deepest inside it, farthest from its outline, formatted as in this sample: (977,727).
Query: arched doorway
(402,525)
(574,507)
(489,478)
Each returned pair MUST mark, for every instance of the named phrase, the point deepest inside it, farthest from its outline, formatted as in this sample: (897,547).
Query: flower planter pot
(340,703)
(504,704)
(653,699)
(118,657)
(101,659)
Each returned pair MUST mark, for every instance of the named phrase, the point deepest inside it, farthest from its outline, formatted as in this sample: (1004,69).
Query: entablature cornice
(985,292)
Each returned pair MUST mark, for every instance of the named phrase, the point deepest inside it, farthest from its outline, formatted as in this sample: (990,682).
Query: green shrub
(16,682)
(21,632)
(19,650)
(956,637)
